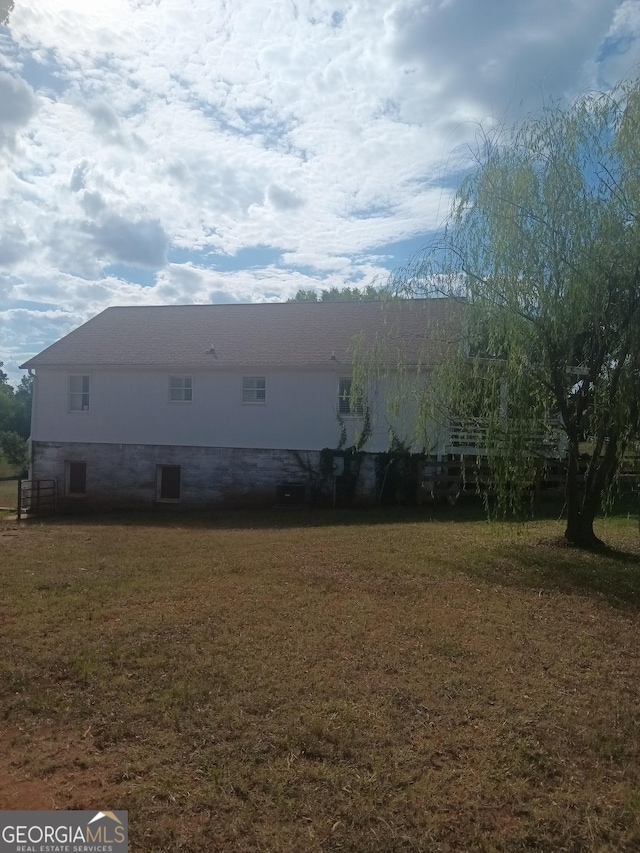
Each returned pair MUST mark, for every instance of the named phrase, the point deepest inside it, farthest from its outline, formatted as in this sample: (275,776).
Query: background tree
(6,400)
(22,399)
(543,245)
(14,449)
(342,294)
(15,419)
(15,405)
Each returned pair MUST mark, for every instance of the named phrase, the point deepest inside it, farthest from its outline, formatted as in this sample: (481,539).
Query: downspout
(33,375)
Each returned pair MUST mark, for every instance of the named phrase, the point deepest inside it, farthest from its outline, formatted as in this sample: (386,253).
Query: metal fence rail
(36,497)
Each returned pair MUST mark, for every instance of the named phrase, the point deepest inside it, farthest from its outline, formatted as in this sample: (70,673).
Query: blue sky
(192,151)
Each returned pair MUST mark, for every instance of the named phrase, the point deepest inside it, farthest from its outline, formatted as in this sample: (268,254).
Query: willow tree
(543,245)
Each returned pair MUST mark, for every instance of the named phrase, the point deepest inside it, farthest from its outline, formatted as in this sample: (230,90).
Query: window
(254,389)
(345,405)
(76,478)
(180,389)
(79,393)
(168,482)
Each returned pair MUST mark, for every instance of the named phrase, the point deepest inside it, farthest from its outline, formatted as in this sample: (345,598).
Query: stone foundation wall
(127,474)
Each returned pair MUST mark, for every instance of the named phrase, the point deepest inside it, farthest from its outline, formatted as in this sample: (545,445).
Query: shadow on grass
(544,564)
(552,565)
(469,509)
(270,518)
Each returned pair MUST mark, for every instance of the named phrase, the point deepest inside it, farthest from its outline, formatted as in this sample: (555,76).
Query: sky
(157,152)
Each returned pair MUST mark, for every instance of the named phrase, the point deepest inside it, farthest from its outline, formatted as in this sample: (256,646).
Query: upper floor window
(254,389)
(180,389)
(79,393)
(346,406)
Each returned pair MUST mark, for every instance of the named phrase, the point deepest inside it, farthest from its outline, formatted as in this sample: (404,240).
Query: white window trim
(181,388)
(82,410)
(247,389)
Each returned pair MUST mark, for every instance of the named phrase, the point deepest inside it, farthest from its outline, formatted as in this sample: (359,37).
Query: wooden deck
(470,439)
(468,471)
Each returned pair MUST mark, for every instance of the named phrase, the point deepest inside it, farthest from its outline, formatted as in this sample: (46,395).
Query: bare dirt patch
(51,769)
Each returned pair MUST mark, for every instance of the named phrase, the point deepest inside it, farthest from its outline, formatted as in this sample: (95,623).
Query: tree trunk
(584,500)
(579,530)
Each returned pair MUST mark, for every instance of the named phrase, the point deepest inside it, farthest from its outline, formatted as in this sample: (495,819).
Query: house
(218,404)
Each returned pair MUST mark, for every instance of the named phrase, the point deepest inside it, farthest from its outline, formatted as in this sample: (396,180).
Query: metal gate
(36,497)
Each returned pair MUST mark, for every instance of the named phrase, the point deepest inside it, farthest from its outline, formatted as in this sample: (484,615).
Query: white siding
(131,406)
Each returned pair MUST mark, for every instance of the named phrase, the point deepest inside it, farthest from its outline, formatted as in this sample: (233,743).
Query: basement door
(168,483)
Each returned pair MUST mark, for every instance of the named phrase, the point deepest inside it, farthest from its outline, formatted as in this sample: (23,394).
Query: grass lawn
(8,488)
(312,682)
(9,494)
(7,470)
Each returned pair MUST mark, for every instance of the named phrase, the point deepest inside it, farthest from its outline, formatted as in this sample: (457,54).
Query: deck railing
(470,438)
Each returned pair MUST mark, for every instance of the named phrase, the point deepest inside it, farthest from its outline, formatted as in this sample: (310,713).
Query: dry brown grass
(9,494)
(298,682)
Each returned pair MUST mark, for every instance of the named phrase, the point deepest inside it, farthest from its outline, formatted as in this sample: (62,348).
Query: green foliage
(543,247)
(327,455)
(14,449)
(342,294)
(323,479)
(15,405)
(6,406)
(305,296)
(23,397)
(397,474)
(363,435)
(343,433)
(352,456)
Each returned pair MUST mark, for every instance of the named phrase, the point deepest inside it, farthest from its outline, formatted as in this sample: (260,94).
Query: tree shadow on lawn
(469,509)
(553,565)
(271,518)
(542,564)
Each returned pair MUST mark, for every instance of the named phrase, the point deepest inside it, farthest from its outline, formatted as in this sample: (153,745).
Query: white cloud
(620,58)
(283,199)
(173,139)
(13,244)
(143,243)
(17,106)
(498,59)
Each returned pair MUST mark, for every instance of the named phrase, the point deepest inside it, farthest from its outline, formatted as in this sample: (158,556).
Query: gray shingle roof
(290,334)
